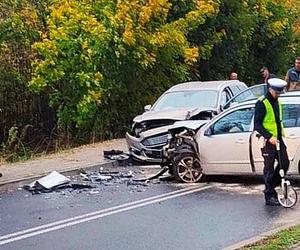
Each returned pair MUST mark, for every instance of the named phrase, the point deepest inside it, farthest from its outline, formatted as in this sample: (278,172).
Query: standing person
(268,123)
(233,76)
(266,74)
(293,76)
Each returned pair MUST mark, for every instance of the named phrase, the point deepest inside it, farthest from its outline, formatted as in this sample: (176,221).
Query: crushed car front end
(146,139)
(150,131)
(181,154)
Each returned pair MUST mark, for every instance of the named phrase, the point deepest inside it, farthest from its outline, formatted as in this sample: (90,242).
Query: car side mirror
(147,107)
(208,132)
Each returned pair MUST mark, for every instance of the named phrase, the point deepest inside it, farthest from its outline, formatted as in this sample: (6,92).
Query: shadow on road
(245,180)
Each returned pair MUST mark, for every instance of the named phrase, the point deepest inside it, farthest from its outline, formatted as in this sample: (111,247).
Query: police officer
(268,123)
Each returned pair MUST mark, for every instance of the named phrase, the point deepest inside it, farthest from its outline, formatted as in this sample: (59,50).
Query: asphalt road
(162,215)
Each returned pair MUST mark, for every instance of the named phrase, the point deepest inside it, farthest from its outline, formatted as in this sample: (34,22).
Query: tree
(293,8)
(20,23)
(97,58)
(255,33)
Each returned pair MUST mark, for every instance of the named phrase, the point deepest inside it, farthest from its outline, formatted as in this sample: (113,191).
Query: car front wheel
(187,168)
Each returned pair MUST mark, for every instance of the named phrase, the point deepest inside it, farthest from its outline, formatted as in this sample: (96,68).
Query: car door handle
(292,136)
(240,141)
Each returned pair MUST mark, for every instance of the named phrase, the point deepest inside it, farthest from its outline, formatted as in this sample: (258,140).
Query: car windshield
(187,99)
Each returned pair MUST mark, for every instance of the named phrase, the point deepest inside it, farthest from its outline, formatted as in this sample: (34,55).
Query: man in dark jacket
(266,74)
(293,76)
(268,123)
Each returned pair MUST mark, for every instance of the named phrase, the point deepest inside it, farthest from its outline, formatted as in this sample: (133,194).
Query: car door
(291,122)
(224,146)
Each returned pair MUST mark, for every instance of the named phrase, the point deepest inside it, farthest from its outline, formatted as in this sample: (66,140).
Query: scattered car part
(48,182)
(160,173)
(122,158)
(112,152)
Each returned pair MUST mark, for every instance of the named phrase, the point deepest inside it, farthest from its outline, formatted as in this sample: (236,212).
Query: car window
(259,90)
(235,89)
(242,86)
(235,122)
(225,96)
(251,93)
(187,99)
(291,115)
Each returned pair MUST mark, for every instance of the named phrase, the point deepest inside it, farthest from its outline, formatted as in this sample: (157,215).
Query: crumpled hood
(173,114)
(189,124)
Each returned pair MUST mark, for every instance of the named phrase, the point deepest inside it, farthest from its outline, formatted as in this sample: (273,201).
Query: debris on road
(137,183)
(78,186)
(168,177)
(95,177)
(123,159)
(52,180)
(113,154)
(87,180)
(160,173)
(108,153)
(94,192)
(46,183)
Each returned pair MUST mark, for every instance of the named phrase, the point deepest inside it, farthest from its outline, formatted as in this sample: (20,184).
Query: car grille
(155,140)
(154,154)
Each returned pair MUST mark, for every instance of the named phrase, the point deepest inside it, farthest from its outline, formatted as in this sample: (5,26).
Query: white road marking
(5,239)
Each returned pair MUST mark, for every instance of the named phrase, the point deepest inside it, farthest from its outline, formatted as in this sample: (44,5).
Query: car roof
(291,93)
(209,85)
(290,96)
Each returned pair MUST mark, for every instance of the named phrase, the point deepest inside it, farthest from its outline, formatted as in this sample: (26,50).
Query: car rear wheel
(187,168)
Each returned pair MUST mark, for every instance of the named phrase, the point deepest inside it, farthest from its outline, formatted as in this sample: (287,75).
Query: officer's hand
(273,140)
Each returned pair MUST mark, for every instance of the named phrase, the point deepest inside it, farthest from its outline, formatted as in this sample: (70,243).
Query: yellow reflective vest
(269,122)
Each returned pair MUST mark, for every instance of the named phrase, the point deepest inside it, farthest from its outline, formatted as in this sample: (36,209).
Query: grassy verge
(284,239)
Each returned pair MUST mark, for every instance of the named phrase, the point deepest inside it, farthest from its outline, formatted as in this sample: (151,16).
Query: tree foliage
(20,24)
(293,8)
(98,58)
(255,33)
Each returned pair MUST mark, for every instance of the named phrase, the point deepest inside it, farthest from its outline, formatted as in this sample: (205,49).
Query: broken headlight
(178,141)
(137,131)
(138,128)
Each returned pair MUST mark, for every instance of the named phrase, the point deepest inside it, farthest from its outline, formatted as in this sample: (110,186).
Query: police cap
(277,84)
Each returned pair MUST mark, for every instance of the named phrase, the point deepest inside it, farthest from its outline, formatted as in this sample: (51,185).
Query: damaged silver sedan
(186,101)
(227,143)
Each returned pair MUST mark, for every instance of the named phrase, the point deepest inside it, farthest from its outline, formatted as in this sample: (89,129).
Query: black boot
(272,201)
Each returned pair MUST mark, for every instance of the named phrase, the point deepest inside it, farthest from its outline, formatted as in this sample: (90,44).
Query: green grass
(281,240)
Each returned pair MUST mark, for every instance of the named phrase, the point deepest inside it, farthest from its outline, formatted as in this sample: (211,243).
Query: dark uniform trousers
(271,176)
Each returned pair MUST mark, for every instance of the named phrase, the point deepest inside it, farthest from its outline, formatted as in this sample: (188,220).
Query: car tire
(187,168)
